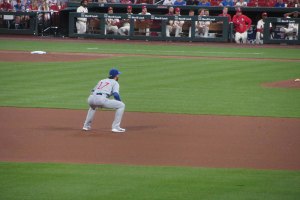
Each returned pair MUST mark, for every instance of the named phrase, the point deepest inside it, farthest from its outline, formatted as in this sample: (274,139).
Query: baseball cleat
(118,130)
(86,128)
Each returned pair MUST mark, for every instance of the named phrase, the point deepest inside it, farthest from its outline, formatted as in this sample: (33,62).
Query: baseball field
(203,121)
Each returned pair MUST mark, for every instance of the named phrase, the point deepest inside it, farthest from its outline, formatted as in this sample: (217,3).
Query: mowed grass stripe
(157,85)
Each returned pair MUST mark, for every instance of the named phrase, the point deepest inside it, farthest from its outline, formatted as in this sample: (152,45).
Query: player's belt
(102,94)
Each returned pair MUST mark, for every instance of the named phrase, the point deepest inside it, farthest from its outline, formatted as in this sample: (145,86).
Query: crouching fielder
(99,98)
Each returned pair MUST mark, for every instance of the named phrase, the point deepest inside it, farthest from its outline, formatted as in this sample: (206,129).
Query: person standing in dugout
(81,21)
(241,25)
(99,98)
(260,28)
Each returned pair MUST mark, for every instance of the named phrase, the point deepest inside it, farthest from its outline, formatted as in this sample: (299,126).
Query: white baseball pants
(81,27)
(241,37)
(100,101)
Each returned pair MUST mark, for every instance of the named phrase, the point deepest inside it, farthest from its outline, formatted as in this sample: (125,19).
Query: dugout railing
(218,27)
(40,23)
(277,33)
(23,23)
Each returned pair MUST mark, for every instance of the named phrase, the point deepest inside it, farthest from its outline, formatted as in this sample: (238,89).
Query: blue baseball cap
(113,73)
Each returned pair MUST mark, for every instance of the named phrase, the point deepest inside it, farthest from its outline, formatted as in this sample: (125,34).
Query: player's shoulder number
(102,84)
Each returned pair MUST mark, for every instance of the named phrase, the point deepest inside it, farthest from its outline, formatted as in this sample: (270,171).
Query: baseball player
(81,21)
(111,24)
(202,27)
(99,98)
(174,25)
(260,28)
(241,23)
(126,25)
(145,22)
(292,30)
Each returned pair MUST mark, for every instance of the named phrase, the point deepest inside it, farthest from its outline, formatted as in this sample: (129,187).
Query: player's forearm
(117,96)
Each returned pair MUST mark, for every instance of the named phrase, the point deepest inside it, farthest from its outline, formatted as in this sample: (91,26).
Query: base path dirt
(292,83)
(55,135)
(26,56)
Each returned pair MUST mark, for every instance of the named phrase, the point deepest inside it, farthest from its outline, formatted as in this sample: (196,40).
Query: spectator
(225,14)
(269,3)
(144,1)
(19,7)
(34,6)
(44,10)
(124,30)
(6,6)
(168,2)
(62,5)
(256,3)
(170,11)
(179,3)
(174,26)
(279,4)
(291,32)
(260,28)
(187,26)
(192,2)
(202,27)
(241,3)
(144,25)
(292,3)
(111,25)
(241,25)
(229,3)
(81,21)
(53,6)
(204,3)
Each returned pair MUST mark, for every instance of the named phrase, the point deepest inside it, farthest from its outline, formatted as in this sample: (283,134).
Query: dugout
(62,26)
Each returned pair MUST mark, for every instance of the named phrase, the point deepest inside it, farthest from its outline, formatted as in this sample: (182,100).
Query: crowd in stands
(207,3)
(32,5)
(44,7)
(56,5)
(240,3)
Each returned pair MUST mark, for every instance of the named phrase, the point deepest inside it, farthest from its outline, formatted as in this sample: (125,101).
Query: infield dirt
(55,135)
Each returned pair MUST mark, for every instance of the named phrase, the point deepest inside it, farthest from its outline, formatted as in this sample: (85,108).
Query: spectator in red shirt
(53,6)
(225,14)
(270,3)
(292,3)
(6,6)
(241,25)
(34,6)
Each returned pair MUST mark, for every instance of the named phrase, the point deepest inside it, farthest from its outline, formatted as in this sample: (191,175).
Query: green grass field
(148,84)
(65,181)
